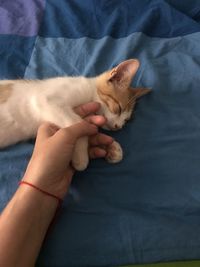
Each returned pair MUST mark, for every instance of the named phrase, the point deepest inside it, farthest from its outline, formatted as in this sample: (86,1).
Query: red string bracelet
(48,194)
(42,191)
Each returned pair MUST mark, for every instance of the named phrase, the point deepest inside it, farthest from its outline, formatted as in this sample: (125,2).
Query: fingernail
(110,139)
(94,127)
(98,104)
(103,153)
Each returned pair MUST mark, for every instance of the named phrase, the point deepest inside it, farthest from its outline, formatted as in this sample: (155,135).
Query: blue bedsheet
(147,208)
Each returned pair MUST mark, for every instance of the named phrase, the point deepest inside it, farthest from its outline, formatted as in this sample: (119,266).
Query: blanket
(146,208)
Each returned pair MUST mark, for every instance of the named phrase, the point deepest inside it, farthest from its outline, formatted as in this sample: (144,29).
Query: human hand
(99,142)
(49,167)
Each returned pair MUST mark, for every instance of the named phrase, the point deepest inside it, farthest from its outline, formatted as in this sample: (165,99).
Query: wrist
(56,185)
(36,202)
(24,182)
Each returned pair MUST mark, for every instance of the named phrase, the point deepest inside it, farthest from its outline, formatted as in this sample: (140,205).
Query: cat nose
(116,127)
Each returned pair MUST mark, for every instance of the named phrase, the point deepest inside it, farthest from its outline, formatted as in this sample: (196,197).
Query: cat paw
(114,153)
(79,165)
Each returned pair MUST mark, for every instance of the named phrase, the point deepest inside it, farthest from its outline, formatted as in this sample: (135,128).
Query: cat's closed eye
(113,105)
(118,110)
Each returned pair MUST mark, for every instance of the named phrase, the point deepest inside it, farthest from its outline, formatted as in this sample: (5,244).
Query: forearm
(23,225)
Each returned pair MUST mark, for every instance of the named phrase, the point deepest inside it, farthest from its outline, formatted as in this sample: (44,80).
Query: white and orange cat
(24,105)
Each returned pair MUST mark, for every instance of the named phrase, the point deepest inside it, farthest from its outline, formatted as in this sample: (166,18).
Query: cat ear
(123,74)
(138,92)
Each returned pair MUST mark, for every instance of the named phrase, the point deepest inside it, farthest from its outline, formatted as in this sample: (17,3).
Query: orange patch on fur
(113,98)
(123,98)
(5,92)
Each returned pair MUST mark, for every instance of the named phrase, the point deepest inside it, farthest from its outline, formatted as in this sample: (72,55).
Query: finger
(72,133)
(70,173)
(97,152)
(86,109)
(96,119)
(100,139)
(46,130)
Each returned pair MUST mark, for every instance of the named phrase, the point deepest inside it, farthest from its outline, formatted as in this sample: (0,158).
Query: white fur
(114,121)
(33,102)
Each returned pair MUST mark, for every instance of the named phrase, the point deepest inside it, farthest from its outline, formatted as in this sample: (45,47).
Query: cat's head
(116,96)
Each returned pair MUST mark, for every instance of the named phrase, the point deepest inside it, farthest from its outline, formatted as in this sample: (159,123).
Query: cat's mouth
(110,128)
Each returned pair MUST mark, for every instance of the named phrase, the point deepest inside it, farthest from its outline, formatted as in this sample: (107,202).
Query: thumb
(72,133)
(46,130)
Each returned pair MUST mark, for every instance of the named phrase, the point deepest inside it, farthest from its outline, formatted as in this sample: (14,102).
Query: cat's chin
(108,128)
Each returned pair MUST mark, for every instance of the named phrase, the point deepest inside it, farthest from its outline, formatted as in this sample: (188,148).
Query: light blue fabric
(135,208)
(61,56)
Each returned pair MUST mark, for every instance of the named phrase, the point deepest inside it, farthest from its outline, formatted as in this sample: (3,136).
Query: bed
(145,209)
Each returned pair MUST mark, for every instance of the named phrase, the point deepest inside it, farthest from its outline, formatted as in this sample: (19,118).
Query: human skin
(25,220)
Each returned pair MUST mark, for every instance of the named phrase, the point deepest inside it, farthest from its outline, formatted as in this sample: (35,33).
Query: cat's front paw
(80,158)
(79,164)
(114,153)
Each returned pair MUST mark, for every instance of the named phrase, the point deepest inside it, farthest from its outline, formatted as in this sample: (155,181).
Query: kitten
(24,105)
